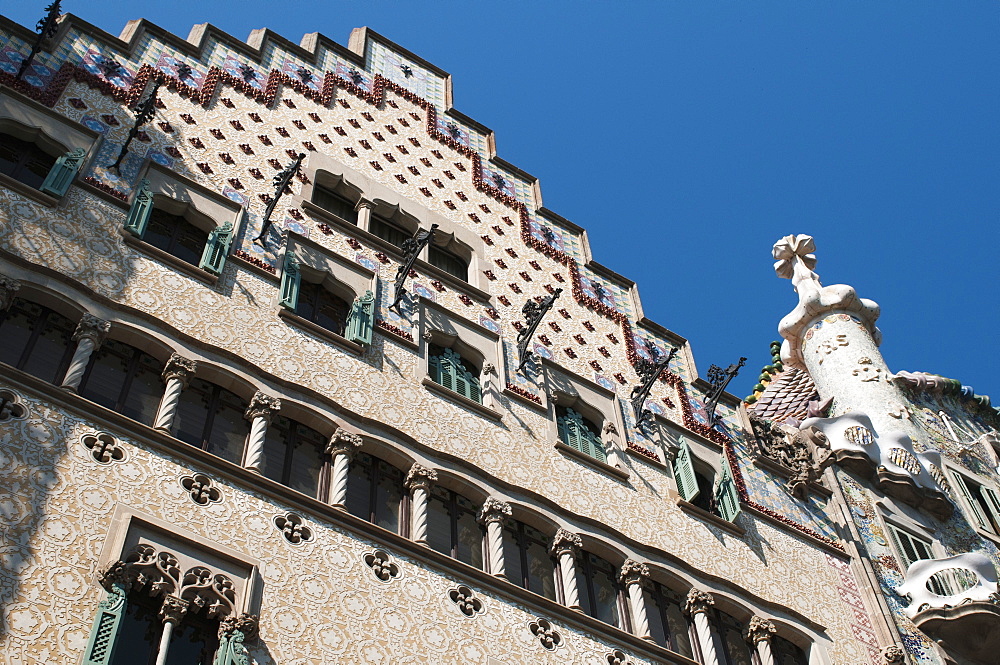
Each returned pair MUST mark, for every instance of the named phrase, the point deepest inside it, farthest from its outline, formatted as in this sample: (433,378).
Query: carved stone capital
(364,205)
(565,541)
(759,630)
(245,623)
(698,601)
(489,369)
(429,335)
(494,510)
(179,367)
(893,655)
(117,573)
(92,328)
(8,291)
(173,609)
(262,406)
(610,429)
(343,443)
(633,572)
(420,477)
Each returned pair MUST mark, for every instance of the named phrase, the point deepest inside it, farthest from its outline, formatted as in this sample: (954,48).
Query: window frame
(37,326)
(585,584)
(132,370)
(454,509)
(983,517)
(291,443)
(521,543)
(403,510)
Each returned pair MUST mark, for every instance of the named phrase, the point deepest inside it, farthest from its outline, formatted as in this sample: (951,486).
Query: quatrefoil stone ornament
(547,636)
(201,489)
(382,566)
(10,406)
(103,448)
(466,601)
(618,657)
(293,529)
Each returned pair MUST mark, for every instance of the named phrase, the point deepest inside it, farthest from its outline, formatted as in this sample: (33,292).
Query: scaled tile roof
(787,396)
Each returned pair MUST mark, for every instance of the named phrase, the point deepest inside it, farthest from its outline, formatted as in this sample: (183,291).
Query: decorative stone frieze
(11,407)
(8,291)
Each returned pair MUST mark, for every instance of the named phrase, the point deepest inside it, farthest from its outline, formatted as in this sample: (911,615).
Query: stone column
(176,375)
(696,606)
(262,408)
(493,514)
(758,634)
(364,214)
(341,448)
(171,613)
(89,336)
(8,291)
(418,481)
(565,546)
(632,575)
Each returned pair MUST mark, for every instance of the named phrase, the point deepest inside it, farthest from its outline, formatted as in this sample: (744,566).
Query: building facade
(296,370)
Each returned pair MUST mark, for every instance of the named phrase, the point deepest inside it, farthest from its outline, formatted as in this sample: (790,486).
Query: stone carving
(244,623)
(180,368)
(176,375)
(548,636)
(200,488)
(867,371)
(263,406)
(8,291)
(617,657)
(92,328)
(466,601)
(829,346)
(565,542)
(759,630)
(293,529)
(698,601)
(343,443)
(633,572)
(157,573)
(173,610)
(341,448)
(89,336)
(260,411)
(420,476)
(103,448)
(208,592)
(893,655)
(795,260)
(494,510)
(803,452)
(382,565)
(10,406)
(489,369)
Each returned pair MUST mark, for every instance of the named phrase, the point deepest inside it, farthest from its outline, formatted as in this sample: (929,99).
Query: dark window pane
(319,305)
(15,330)
(512,554)
(107,374)
(735,650)
(192,643)
(335,203)
(229,427)
(49,355)
(275,447)
(540,571)
(786,653)
(388,231)
(175,235)
(451,264)
(138,635)
(143,397)
(192,412)
(439,521)
(469,533)
(359,487)
(598,593)
(24,161)
(388,495)
(307,460)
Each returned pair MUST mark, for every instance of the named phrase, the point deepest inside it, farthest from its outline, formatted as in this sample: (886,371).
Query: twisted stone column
(341,448)
(632,575)
(90,334)
(418,481)
(8,291)
(176,375)
(758,634)
(262,408)
(171,613)
(697,605)
(565,546)
(493,514)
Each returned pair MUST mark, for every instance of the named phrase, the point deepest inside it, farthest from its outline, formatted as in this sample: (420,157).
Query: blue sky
(687,137)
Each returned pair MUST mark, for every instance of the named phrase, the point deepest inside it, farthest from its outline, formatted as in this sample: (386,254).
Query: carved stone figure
(804,452)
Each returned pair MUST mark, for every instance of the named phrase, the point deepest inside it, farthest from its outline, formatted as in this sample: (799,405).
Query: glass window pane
(108,372)
(541,569)
(388,495)
(512,554)
(359,485)
(448,262)
(470,540)
(46,359)
(138,635)
(192,412)
(192,643)
(439,521)
(388,231)
(15,330)
(307,460)
(229,428)
(335,203)
(145,391)
(275,446)
(605,594)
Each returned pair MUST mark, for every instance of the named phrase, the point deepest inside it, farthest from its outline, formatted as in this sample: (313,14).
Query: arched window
(334,202)
(293,455)
(787,653)
(452,527)
(318,304)
(211,418)
(36,340)
(192,642)
(175,235)
(449,262)
(124,379)
(668,625)
(600,593)
(735,650)
(580,433)
(448,368)
(526,559)
(375,491)
(24,161)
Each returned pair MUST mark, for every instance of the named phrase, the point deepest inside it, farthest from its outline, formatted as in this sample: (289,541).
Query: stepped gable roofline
(311,49)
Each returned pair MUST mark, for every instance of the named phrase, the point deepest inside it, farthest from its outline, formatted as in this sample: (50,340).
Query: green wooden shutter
(142,207)
(290,280)
(595,445)
(569,429)
(217,249)
(360,321)
(992,503)
(909,547)
(727,496)
(62,172)
(104,634)
(687,483)
(434,369)
(231,650)
(970,500)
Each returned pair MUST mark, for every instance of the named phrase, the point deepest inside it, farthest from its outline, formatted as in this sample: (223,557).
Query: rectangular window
(335,203)
(982,503)
(909,547)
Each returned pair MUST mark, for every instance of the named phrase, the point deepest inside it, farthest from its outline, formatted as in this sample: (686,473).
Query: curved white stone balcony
(949,582)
